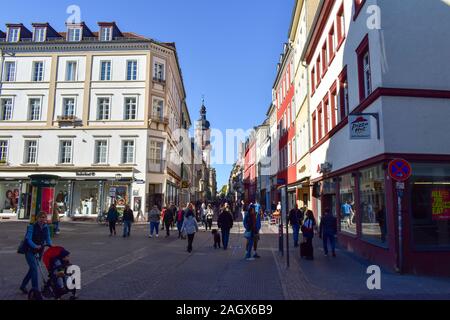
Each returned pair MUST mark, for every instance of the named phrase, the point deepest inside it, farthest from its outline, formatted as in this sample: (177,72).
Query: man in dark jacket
(128,219)
(168,218)
(328,230)
(225,223)
(296,219)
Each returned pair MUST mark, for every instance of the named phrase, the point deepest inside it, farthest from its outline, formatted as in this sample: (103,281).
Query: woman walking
(180,219)
(128,219)
(250,231)
(38,235)
(112,218)
(306,249)
(190,226)
(209,217)
(55,218)
(154,217)
(225,223)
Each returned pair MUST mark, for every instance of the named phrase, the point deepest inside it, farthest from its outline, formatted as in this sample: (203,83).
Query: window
(132,70)
(333,107)
(373,205)
(74,34)
(71,71)
(39,34)
(65,152)
(106,34)
(3,151)
(358,6)
(13,34)
(343,95)
(103,108)
(340,25)
(347,197)
(288,123)
(294,150)
(320,119)
(38,71)
(319,75)
(364,74)
(30,151)
(35,109)
(159,72)
(156,149)
(158,108)
(324,59)
(327,116)
(105,73)
(289,153)
(314,127)
(101,152)
(128,151)
(10,71)
(68,107)
(130,108)
(331,44)
(313,80)
(7,109)
(293,112)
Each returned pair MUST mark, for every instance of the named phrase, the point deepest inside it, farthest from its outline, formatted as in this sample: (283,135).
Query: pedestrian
(55,218)
(250,230)
(128,219)
(243,211)
(209,217)
(190,227)
(347,213)
(36,238)
(295,220)
(225,223)
(203,215)
(306,250)
(139,216)
(174,216)
(163,213)
(154,217)
(168,219)
(256,236)
(112,218)
(328,231)
(179,220)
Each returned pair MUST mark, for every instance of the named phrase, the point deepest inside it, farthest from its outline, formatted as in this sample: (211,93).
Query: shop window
(373,205)
(430,206)
(348,210)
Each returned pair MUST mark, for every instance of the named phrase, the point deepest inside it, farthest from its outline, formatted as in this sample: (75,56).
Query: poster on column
(47,199)
(440,199)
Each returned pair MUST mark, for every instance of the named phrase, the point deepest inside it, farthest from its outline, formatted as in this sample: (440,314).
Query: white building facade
(96,109)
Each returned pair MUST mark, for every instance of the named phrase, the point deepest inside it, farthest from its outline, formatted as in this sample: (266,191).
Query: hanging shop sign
(359,127)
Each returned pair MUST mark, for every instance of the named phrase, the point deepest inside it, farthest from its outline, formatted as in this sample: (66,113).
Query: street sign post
(400,170)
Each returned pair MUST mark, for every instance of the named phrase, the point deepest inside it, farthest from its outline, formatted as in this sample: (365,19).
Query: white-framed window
(71,71)
(130,112)
(38,71)
(156,151)
(367,74)
(10,71)
(103,108)
(39,34)
(13,34)
(65,151)
(106,34)
(30,152)
(105,71)
(157,108)
(289,154)
(35,109)
(128,151)
(294,150)
(288,116)
(68,107)
(159,72)
(3,151)
(101,152)
(6,109)
(132,70)
(329,116)
(74,34)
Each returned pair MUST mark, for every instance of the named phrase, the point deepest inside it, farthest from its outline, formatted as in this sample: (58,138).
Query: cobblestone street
(160,268)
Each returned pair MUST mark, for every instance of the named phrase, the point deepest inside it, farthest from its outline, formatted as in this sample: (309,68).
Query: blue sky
(228,50)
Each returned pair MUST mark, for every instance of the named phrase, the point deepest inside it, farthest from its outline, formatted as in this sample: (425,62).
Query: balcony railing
(159,80)
(159,119)
(70,120)
(156,166)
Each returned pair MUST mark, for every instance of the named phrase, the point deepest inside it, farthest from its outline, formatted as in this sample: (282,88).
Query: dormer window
(40,34)
(74,34)
(13,34)
(106,34)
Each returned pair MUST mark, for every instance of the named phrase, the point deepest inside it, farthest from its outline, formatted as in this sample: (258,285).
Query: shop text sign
(359,127)
(440,199)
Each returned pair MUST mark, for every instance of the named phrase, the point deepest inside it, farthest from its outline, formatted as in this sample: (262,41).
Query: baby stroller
(51,288)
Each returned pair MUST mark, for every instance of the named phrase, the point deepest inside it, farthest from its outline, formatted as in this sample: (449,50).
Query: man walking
(256,237)
(295,219)
(327,231)
(168,219)
(128,219)
(225,223)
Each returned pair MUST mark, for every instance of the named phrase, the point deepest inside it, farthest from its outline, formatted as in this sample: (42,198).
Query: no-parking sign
(400,170)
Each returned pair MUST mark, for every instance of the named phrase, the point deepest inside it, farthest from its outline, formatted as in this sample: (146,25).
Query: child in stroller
(56,261)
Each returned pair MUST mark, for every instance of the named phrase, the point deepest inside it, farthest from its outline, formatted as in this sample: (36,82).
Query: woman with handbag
(250,231)
(306,248)
(190,227)
(36,238)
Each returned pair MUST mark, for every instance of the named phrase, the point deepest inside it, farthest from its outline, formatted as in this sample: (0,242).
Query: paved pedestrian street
(138,268)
